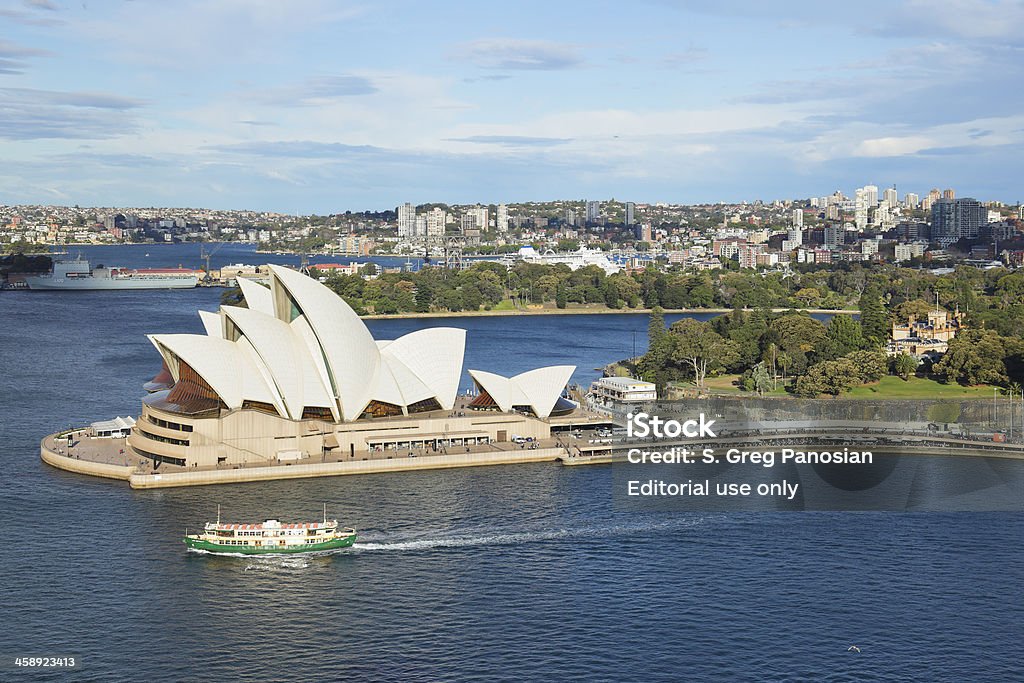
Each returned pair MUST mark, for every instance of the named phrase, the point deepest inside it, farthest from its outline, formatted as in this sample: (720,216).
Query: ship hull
(91,283)
(217,548)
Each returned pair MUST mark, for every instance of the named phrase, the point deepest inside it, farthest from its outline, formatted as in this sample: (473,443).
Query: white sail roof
(539,389)
(257,297)
(221,363)
(434,356)
(286,356)
(212,323)
(351,354)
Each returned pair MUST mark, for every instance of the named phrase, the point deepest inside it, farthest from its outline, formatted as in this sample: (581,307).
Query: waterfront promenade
(114,459)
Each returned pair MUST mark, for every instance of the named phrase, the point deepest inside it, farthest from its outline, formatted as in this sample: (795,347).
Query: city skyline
(322,107)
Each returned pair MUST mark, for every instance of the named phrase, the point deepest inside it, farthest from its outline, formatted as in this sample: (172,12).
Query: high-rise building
(421,225)
(890,196)
(949,193)
(502,219)
(436,220)
(470,227)
(798,218)
(480,215)
(885,218)
(954,219)
(911,200)
(593,211)
(570,217)
(871,195)
(630,213)
(406,220)
(834,235)
(860,209)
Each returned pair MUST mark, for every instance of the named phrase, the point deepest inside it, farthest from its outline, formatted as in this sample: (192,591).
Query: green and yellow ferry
(270,537)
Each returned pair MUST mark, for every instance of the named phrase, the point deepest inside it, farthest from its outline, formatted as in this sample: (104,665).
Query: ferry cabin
(270,533)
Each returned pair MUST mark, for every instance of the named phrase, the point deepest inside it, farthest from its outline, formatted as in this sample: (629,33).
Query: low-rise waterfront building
(623,390)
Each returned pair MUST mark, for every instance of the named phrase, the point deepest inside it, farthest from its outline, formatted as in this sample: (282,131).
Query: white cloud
(516,54)
(892,146)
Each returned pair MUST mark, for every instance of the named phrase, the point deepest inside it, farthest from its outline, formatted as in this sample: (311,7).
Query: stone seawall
(297,471)
(95,469)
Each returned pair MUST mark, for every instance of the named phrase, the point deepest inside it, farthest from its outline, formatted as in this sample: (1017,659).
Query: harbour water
(495,573)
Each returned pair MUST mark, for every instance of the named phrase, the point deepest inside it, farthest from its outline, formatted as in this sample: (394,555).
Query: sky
(324,106)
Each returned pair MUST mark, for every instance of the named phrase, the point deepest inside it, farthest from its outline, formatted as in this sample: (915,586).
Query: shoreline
(583,311)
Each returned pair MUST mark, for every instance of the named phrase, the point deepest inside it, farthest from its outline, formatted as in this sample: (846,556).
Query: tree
(871,365)
(700,348)
(874,320)
(828,377)
(979,357)
(904,365)
(799,336)
(656,365)
(808,296)
(844,333)
(761,379)
(771,357)
(561,296)
(233,297)
(611,294)
(656,326)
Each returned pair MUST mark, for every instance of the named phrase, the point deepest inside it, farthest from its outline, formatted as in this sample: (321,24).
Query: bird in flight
(853,648)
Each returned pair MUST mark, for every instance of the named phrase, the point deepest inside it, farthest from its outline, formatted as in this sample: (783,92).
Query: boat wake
(520,537)
(272,564)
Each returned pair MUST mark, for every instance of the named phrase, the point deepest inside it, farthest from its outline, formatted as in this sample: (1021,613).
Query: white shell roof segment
(212,323)
(435,356)
(257,297)
(285,355)
(538,388)
(351,353)
(223,364)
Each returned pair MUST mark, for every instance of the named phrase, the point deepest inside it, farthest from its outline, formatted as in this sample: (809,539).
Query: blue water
(498,573)
(190,255)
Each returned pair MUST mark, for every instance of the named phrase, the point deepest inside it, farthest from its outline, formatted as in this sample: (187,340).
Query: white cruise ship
(574,259)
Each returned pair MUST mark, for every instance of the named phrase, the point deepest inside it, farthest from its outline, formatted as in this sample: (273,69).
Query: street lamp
(995,424)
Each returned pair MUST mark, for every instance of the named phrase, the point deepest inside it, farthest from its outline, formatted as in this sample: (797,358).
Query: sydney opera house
(294,375)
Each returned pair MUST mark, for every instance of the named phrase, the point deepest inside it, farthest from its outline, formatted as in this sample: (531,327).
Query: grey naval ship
(78,274)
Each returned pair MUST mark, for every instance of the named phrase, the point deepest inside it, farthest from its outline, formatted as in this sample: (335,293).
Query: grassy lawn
(505,305)
(917,387)
(888,387)
(724,384)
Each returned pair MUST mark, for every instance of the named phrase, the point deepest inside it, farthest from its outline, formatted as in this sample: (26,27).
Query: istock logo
(642,424)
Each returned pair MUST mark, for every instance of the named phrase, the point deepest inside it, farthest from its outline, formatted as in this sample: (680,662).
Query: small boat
(270,537)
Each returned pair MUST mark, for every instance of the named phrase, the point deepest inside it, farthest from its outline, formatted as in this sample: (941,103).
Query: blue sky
(324,106)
